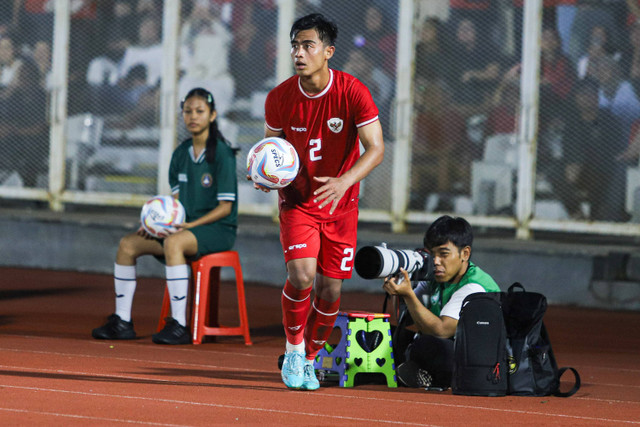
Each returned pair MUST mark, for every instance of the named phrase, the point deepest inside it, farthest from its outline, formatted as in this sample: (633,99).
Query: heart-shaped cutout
(358,361)
(381,362)
(369,341)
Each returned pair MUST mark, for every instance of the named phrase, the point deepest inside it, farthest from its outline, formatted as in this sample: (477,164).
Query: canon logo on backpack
(482,323)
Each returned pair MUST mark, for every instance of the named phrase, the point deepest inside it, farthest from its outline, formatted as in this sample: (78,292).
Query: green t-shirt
(436,295)
(202,185)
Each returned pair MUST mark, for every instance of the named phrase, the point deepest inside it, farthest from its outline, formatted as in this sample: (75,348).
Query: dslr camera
(372,262)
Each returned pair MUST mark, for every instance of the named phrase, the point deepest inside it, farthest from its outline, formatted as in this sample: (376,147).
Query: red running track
(53,373)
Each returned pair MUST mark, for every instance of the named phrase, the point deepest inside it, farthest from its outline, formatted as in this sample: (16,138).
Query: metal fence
(515,114)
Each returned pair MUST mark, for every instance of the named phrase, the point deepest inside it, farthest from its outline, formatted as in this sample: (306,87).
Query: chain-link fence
(90,79)
(467,110)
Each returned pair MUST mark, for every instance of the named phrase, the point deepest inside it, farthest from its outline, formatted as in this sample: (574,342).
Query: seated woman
(202,175)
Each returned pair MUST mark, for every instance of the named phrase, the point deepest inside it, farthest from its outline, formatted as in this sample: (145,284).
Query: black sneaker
(114,329)
(172,333)
(411,375)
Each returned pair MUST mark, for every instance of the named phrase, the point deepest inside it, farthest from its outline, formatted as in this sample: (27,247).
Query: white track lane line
(128,359)
(82,417)
(196,365)
(316,393)
(216,405)
(125,343)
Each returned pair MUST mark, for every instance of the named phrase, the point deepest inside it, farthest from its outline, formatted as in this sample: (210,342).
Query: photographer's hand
(401,287)
(426,322)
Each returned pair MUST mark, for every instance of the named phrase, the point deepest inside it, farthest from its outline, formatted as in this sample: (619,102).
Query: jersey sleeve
(226,176)
(364,108)
(453,307)
(271,113)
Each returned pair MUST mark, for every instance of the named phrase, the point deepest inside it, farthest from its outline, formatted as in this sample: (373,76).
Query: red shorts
(332,243)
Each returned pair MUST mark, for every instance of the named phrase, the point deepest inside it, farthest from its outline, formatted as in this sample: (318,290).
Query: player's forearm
(371,158)
(373,143)
(216,214)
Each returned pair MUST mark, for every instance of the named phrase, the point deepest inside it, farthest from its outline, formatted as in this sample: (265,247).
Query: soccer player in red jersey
(326,114)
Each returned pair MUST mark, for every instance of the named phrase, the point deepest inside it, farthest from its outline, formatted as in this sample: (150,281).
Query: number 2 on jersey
(314,152)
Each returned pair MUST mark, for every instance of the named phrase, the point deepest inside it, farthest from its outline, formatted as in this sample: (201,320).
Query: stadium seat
(205,301)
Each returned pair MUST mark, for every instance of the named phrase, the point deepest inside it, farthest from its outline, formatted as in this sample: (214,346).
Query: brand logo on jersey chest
(335,124)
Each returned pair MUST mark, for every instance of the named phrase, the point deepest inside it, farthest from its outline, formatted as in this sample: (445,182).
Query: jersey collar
(192,154)
(325,90)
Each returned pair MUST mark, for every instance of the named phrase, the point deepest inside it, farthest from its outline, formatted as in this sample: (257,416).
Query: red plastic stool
(205,289)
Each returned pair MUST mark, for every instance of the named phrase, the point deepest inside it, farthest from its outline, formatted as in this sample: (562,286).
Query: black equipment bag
(480,357)
(533,370)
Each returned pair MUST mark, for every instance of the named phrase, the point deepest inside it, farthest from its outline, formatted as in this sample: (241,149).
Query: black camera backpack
(530,368)
(480,356)
(533,370)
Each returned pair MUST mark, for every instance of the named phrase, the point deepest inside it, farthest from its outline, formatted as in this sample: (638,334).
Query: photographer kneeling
(434,304)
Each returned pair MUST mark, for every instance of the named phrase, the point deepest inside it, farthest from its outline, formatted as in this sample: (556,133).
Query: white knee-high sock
(124,277)
(178,285)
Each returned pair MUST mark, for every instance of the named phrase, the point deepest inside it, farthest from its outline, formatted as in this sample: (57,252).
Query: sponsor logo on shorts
(294,328)
(318,342)
(298,246)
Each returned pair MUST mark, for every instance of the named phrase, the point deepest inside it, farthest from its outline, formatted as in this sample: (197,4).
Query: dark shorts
(211,238)
(214,238)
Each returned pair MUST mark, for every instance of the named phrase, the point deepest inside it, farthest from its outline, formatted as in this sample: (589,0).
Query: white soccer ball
(160,213)
(273,163)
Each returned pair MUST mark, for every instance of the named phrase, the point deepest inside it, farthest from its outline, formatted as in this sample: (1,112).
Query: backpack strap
(576,384)
(516,285)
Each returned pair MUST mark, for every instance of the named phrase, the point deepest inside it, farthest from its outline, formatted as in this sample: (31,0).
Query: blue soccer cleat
(292,369)
(310,380)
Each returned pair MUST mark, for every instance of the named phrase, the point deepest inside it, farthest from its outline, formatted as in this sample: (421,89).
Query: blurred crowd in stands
(467,77)
(468,89)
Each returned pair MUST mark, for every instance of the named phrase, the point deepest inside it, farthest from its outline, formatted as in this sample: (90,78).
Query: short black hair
(327,29)
(448,229)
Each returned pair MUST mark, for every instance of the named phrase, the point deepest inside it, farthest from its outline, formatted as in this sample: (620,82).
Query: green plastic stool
(365,347)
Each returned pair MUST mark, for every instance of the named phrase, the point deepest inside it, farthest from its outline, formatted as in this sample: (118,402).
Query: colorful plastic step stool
(364,348)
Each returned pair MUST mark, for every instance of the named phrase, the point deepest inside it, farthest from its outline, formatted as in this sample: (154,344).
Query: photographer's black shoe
(114,329)
(172,333)
(411,375)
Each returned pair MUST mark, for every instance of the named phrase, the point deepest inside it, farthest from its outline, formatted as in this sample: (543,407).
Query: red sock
(295,309)
(320,325)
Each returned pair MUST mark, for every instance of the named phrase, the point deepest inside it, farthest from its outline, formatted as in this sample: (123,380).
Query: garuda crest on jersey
(335,124)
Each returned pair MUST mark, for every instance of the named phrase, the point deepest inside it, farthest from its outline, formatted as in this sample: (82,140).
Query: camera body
(372,262)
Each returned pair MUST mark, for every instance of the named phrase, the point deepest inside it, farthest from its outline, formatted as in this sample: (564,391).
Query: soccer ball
(273,163)
(160,213)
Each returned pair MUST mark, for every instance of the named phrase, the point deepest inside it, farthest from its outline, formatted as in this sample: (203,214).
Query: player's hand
(400,287)
(259,187)
(331,192)
(179,227)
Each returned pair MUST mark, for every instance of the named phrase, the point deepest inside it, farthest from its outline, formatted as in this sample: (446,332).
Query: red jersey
(324,130)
